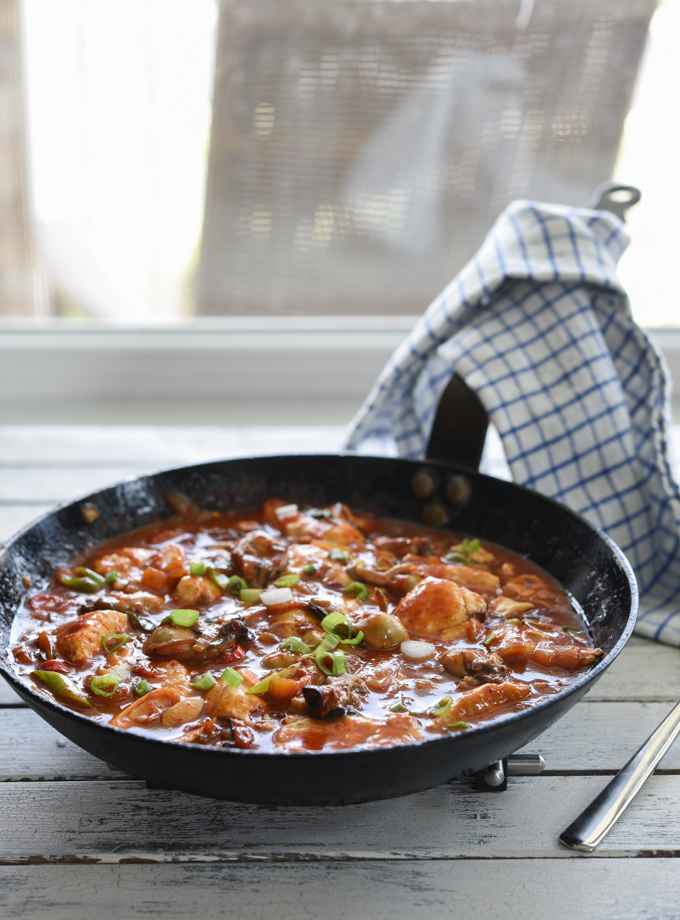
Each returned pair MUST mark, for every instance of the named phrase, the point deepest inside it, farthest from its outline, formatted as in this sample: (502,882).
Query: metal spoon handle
(604,811)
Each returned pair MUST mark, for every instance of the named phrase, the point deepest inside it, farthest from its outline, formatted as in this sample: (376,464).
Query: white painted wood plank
(157,446)
(593,737)
(125,819)
(646,889)
(645,670)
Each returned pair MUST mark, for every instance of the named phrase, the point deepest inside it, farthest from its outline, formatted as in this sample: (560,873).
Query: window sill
(259,371)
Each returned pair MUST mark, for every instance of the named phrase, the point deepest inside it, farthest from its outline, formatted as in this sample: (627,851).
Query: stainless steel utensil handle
(603,812)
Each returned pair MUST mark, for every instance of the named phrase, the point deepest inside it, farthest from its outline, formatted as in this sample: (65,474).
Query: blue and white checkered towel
(539,327)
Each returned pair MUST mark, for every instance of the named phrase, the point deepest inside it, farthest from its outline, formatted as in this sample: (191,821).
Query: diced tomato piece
(55,665)
(232,655)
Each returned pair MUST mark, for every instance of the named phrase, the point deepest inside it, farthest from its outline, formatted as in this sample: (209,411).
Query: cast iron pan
(584,560)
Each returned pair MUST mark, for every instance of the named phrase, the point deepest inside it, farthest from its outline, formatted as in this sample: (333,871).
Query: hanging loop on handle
(614,197)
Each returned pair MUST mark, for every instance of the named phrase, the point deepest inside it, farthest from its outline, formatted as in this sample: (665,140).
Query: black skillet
(443,490)
(584,560)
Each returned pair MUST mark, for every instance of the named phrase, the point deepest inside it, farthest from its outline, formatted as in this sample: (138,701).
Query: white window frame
(259,370)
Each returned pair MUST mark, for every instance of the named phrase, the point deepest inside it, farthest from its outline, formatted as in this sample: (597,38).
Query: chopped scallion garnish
(198,568)
(250,595)
(204,682)
(110,578)
(287,581)
(232,677)
(217,578)
(104,685)
(442,707)
(142,688)
(569,629)
(309,569)
(339,555)
(186,618)
(333,621)
(358,589)
(294,644)
(456,727)
(62,686)
(111,642)
(85,585)
(339,663)
(489,639)
(236,584)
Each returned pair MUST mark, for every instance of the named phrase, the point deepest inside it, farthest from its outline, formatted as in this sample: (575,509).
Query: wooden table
(78,840)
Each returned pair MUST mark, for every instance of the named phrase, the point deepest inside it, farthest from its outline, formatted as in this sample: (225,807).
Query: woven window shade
(361,149)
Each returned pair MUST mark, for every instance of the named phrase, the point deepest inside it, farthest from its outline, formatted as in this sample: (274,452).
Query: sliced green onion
(569,629)
(263,686)
(62,685)
(236,584)
(355,641)
(85,585)
(198,568)
(356,588)
(489,639)
(339,663)
(294,644)
(285,510)
(91,574)
(468,546)
(309,569)
(142,688)
(250,595)
(442,707)
(119,640)
(398,705)
(217,578)
(110,578)
(104,685)
(287,581)
(232,677)
(204,682)
(319,513)
(186,618)
(327,644)
(331,623)
(324,651)
(456,727)
(339,555)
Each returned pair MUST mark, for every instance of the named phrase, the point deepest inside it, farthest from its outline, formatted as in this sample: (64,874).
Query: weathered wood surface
(515,889)
(92,820)
(595,737)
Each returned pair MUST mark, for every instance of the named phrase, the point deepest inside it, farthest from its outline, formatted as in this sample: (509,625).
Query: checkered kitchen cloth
(539,327)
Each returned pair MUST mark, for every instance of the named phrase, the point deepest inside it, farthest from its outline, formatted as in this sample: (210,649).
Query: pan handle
(459,427)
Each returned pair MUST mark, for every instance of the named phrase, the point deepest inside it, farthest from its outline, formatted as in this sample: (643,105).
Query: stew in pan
(299,629)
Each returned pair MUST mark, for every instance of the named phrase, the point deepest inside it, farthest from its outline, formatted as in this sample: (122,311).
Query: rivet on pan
(90,512)
(433,515)
(422,484)
(458,490)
